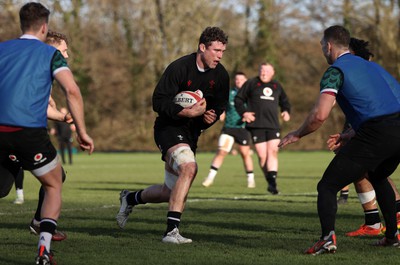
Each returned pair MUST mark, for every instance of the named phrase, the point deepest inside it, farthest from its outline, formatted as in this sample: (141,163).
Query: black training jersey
(263,99)
(183,75)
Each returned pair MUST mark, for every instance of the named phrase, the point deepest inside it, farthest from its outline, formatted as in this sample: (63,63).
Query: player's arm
(241,98)
(284,105)
(196,110)
(314,120)
(56,115)
(63,75)
(165,91)
(330,84)
(240,103)
(75,106)
(318,114)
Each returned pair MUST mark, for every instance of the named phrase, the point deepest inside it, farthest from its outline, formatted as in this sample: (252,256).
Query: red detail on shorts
(38,157)
(4,128)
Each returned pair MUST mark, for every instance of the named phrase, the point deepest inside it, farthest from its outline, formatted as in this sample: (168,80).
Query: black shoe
(341,200)
(272,189)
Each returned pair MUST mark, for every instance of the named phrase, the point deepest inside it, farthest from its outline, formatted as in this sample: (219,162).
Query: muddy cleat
(326,245)
(272,189)
(44,257)
(387,242)
(174,237)
(57,236)
(124,210)
(207,182)
(366,230)
(341,200)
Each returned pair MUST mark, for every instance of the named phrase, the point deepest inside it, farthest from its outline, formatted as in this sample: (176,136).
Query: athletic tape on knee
(225,142)
(181,156)
(170,179)
(366,197)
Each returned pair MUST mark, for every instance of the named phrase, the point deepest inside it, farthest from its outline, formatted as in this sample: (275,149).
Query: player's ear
(329,46)
(202,47)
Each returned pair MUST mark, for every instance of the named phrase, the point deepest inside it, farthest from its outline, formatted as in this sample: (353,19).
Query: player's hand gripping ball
(188,98)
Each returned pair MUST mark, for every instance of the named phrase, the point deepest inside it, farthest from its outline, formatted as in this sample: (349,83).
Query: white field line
(246,197)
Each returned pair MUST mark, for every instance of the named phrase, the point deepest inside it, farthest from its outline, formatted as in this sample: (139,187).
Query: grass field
(228,223)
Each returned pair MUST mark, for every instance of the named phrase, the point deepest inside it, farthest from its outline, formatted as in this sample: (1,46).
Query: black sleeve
(284,101)
(164,93)
(241,98)
(220,98)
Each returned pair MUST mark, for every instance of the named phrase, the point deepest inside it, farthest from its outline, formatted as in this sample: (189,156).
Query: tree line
(119,49)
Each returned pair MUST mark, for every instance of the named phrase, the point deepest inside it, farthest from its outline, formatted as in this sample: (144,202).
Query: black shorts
(241,135)
(31,147)
(170,136)
(260,135)
(376,143)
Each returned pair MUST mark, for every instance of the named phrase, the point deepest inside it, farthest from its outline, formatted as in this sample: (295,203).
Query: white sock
(212,174)
(375,226)
(250,176)
(45,240)
(20,193)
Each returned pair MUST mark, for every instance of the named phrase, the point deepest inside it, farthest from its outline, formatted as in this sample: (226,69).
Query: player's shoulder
(186,59)
(182,64)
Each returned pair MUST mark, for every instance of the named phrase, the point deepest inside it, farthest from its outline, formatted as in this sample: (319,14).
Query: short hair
(54,37)
(359,48)
(338,35)
(265,64)
(211,34)
(240,73)
(32,16)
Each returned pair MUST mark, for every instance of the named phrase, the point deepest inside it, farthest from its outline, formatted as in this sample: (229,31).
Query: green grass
(228,223)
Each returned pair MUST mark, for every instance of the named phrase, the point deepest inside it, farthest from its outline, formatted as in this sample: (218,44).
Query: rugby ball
(188,98)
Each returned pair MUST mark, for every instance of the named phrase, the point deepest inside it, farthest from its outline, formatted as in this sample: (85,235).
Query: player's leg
(181,160)
(272,165)
(385,195)
(62,149)
(6,181)
(19,187)
(366,194)
(34,226)
(51,180)
(328,187)
(225,143)
(261,150)
(245,153)
(180,170)
(344,195)
(36,153)
(69,149)
(397,195)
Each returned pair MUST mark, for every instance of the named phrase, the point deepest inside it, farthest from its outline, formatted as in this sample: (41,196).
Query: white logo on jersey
(267,91)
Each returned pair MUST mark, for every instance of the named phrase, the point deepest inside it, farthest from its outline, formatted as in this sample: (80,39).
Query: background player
(233,131)
(258,102)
